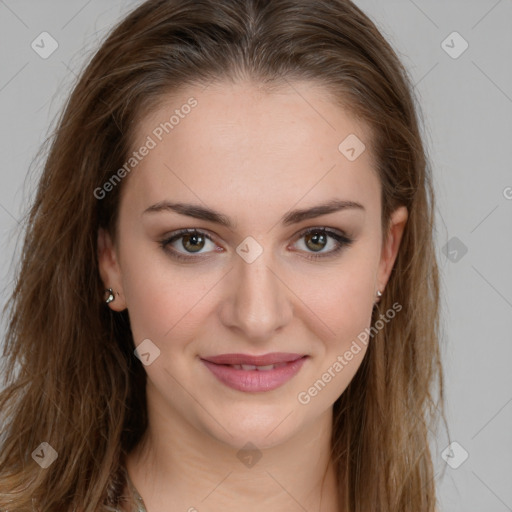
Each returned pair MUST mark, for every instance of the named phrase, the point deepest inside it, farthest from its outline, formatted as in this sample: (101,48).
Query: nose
(257,300)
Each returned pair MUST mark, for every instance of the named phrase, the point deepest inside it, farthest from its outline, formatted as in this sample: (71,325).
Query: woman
(228,296)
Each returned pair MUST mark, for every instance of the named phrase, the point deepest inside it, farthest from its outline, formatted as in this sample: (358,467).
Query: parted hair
(71,378)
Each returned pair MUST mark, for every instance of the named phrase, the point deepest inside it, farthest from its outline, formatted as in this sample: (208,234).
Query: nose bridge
(260,302)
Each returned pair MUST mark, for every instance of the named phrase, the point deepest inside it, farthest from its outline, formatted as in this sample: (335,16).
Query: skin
(253,156)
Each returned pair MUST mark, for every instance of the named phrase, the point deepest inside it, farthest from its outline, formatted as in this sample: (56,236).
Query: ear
(391,245)
(110,270)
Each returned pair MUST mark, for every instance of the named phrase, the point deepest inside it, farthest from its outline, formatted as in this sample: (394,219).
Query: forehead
(242,141)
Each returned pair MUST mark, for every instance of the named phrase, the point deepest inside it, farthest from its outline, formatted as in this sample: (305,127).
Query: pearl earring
(111,295)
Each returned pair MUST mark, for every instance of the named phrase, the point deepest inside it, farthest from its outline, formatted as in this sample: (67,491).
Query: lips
(275,358)
(249,367)
(248,373)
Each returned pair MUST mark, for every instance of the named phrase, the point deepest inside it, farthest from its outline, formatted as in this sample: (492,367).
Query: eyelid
(167,240)
(323,229)
(176,235)
(342,240)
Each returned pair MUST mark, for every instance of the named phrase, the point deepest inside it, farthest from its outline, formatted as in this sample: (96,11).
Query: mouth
(254,373)
(274,358)
(248,367)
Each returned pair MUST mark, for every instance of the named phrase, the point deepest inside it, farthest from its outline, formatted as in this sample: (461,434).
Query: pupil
(196,239)
(315,238)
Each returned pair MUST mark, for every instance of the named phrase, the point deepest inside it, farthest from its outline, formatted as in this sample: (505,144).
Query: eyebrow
(292,217)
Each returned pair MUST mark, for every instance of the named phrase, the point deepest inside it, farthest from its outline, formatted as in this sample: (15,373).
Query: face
(284,255)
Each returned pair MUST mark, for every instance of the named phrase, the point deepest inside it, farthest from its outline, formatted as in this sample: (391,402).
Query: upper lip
(263,360)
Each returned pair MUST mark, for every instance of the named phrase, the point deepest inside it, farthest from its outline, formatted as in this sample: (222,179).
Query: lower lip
(255,380)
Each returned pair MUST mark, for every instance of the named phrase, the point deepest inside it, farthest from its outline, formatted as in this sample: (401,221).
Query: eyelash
(341,240)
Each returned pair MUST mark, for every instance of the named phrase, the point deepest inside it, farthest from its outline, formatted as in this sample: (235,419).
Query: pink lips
(251,380)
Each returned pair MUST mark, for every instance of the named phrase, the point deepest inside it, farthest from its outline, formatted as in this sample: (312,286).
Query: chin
(264,429)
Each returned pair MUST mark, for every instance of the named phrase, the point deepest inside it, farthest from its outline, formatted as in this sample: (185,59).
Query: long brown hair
(71,377)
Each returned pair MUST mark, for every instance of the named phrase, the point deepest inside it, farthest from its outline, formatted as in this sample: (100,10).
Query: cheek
(163,299)
(170,301)
(341,299)
(345,306)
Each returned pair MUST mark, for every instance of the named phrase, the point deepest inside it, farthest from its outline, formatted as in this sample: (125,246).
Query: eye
(186,241)
(317,239)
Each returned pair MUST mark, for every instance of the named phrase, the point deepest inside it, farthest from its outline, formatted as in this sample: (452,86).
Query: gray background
(467,106)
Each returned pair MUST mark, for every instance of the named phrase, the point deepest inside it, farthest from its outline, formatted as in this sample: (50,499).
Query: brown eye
(193,242)
(188,244)
(316,240)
